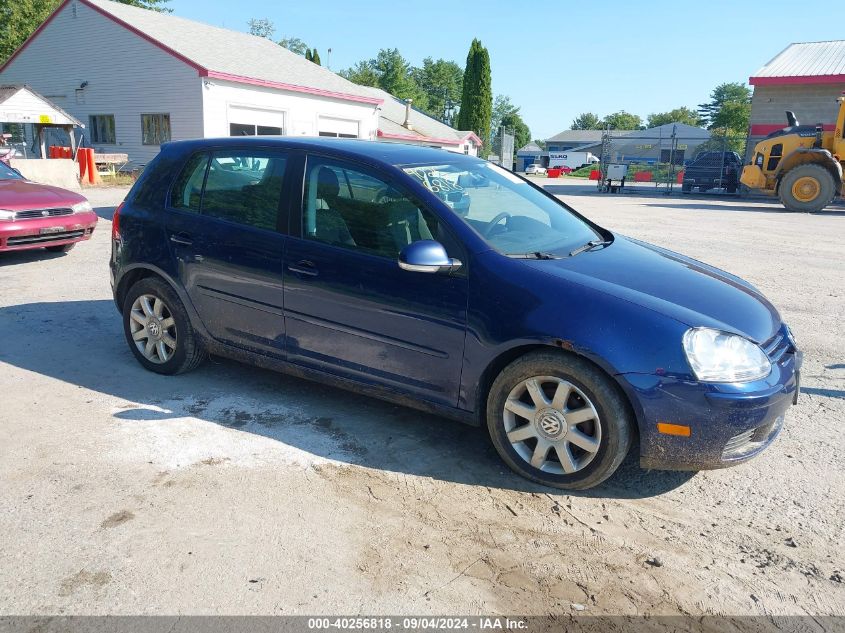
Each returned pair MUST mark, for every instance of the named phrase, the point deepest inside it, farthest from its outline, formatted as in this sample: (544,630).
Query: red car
(41,216)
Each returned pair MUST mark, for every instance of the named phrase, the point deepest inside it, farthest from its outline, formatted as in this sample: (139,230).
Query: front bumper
(52,231)
(728,423)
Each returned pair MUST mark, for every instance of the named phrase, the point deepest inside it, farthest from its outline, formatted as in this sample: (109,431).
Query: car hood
(18,195)
(680,287)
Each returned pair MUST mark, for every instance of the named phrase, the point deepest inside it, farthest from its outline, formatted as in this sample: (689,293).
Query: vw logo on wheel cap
(551,424)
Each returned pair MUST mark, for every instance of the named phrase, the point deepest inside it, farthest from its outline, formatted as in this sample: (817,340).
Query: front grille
(30,214)
(43,239)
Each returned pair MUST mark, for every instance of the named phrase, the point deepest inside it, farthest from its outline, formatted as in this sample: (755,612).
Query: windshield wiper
(533,255)
(589,245)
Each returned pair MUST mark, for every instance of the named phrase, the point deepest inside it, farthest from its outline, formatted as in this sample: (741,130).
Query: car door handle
(181,238)
(304,268)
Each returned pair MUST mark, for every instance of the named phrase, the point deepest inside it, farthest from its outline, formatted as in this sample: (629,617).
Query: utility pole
(329,62)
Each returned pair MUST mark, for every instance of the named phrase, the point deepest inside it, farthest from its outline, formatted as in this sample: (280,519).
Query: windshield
(508,213)
(7,173)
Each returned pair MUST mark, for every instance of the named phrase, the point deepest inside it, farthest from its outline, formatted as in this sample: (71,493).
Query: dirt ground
(233,490)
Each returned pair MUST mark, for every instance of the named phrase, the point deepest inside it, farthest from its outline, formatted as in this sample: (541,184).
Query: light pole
(329,62)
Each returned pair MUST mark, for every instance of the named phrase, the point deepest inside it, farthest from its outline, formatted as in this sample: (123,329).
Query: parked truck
(573,160)
(801,164)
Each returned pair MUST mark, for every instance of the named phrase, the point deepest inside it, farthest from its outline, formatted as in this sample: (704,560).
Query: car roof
(393,154)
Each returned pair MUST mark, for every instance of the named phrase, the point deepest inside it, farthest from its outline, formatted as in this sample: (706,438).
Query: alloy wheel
(552,425)
(153,328)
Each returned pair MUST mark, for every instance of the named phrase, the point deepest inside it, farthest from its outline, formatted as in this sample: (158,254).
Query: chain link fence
(702,161)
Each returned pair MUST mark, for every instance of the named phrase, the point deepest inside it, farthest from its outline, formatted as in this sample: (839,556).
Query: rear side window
(187,191)
(245,187)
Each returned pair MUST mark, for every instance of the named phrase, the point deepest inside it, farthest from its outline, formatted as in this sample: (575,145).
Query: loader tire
(807,188)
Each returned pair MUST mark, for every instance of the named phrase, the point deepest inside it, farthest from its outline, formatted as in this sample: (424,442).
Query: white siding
(301,111)
(127,76)
(25,107)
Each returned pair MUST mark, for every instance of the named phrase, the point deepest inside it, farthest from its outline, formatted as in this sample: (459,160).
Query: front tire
(807,188)
(158,329)
(558,420)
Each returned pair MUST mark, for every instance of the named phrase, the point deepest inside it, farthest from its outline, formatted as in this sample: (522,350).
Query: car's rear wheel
(158,329)
(61,248)
(558,420)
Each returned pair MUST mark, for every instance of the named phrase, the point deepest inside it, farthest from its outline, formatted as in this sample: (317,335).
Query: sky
(556,60)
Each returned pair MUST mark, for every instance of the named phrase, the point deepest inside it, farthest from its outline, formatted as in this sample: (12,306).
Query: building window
(155,129)
(466,149)
(102,128)
(338,135)
(248,129)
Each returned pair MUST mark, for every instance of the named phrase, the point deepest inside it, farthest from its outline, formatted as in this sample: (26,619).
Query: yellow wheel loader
(801,164)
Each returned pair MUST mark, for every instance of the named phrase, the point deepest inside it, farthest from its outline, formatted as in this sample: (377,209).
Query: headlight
(721,357)
(6,216)
(80,207)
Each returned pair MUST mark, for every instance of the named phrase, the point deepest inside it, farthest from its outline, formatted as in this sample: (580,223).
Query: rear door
(223,225)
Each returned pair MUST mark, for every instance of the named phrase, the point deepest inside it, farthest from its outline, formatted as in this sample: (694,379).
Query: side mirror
(427,256)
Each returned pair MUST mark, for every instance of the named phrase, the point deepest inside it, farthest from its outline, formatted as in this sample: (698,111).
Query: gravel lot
(234,490)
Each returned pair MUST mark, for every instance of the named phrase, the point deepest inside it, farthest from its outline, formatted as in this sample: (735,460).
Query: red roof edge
(426,139)
(291,87)
(796,80)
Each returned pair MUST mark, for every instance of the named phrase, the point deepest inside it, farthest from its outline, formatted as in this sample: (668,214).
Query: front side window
(243,187)
(155,129)
(345,205)
(101,128)
(508,213)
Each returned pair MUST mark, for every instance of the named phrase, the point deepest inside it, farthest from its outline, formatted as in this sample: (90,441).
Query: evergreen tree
(315,57)
(308,55)
(477,97)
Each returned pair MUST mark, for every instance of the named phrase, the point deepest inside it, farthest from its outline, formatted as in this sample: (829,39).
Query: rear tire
(807,188)
(158,329)
(63,248)
(578,433)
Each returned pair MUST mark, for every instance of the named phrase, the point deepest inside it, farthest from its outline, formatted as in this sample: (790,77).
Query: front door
(349,308)
(223,228)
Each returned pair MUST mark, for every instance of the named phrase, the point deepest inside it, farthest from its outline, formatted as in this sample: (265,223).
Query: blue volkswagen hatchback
(443,282)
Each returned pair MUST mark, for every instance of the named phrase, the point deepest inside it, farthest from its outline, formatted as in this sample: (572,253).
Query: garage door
(343,128)
(244,121)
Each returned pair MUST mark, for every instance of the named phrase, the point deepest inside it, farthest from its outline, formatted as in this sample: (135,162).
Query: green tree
(20,18)
(477,95)
(586,121)
(678,115)
(261,27)
(513,122)
(361,73)
(441,81)
(622,121)
(315,57)
(394,76)
(308,55)
(294,45)
(734,116)
(540,143)
(502,107)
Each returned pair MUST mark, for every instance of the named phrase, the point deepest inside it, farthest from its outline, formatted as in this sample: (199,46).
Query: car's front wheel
(558,420)
(158,329)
